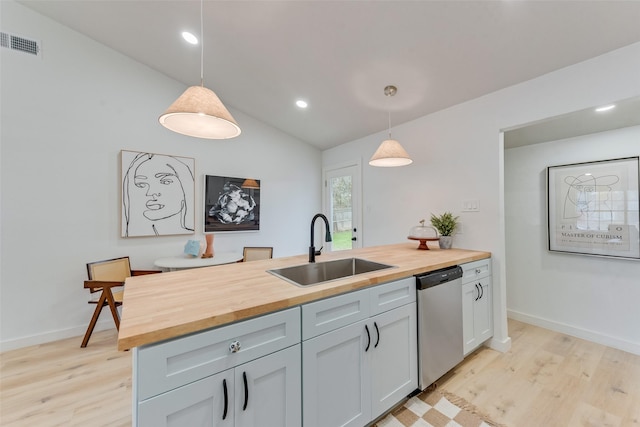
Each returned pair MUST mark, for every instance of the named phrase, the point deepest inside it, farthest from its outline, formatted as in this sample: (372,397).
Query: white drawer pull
(234,347)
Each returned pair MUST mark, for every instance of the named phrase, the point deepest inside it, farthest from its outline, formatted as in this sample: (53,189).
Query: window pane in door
(341,212)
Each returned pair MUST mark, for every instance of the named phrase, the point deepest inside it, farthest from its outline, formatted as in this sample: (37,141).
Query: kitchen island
(164,306)
(234,345)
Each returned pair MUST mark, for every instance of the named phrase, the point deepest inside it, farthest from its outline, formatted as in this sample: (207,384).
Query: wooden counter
(162,306)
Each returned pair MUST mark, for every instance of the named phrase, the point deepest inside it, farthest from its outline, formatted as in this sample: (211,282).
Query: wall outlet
(471,205)
(459,228)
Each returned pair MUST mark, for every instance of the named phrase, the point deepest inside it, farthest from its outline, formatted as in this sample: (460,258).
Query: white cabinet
(203,403)
(244,374)
(268,390)
(477,308)
(265,391)
(336,378)
(358,368)
(394,357)
(342,361)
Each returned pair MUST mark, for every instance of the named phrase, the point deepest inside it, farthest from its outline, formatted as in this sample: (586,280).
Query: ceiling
(260,56)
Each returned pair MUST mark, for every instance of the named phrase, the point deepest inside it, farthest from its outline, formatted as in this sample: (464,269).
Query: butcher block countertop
(157,307)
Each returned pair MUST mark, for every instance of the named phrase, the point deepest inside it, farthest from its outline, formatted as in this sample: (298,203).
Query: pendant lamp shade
(389,154)
(198,112)
(250,183)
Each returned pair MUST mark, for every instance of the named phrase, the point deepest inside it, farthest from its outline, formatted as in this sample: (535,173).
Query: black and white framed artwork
(157,194)
(231,204)
(594,208)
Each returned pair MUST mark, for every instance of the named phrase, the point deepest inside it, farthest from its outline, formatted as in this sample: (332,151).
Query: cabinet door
(199,404)
(483,315)
(268,390)
(477,313)
(336,386)
(470,293)
(394,364)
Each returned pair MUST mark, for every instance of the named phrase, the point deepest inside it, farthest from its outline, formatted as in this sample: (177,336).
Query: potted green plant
(446,225)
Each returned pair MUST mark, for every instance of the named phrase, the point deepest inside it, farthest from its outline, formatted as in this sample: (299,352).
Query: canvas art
(157,194)
(231,204)
(593,208)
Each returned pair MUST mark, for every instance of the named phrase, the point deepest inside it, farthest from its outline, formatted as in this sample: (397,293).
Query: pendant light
(251,184)
(198,112)
(390,153)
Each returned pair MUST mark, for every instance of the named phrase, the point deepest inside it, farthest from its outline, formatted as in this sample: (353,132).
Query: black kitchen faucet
(327,238)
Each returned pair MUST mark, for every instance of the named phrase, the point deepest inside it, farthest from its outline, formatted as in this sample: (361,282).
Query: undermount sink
(320,272)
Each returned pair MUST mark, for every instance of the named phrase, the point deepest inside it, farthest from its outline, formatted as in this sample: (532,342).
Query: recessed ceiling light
(302,104)
(190,38)
(605,108)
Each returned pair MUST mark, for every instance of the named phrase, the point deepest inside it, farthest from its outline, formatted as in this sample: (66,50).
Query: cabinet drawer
(392,295)
(170,364)
(476,270)
(333,313)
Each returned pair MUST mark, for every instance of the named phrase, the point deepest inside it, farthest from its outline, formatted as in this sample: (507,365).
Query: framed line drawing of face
(594,208)
(157,194)
(231,204)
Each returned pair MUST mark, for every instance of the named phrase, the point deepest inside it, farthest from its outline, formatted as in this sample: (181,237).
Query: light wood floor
(551,379)
(546,379)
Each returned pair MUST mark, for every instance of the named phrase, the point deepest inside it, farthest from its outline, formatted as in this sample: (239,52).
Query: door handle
(366,328)
(378,335)
(481,290)
(353,239)
(226,399)
(246,391)
(478,290)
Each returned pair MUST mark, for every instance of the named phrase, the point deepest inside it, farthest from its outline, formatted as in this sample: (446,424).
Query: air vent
(20,44)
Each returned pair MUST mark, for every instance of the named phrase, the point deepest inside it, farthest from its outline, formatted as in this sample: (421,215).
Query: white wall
(458,154)
(65,118)
(591,297)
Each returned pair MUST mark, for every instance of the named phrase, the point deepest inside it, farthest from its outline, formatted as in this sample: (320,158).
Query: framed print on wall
(594,208)
(231,204)
(158,194)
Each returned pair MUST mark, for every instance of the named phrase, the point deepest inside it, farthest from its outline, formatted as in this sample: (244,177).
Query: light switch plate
(471,205)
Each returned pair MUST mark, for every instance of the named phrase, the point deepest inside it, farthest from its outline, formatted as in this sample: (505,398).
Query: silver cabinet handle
(234,347)
(478,271)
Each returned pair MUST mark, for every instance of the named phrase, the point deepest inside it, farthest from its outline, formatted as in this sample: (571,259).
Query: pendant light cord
(201,43)
(390,91)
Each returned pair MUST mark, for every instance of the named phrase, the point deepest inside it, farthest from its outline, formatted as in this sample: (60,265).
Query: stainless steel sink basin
(320,272)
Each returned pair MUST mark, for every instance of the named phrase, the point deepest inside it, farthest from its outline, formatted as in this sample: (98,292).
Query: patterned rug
(437,408)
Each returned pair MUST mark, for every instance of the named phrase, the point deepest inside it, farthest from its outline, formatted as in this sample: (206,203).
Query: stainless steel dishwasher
(440,342)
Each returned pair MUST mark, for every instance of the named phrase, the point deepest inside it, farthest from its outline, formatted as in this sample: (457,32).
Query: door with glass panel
(342,206)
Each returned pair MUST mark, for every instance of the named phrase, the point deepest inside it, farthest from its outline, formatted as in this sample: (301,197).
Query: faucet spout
(327,234)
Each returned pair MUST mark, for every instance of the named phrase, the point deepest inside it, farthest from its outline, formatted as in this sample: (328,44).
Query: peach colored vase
(208,253)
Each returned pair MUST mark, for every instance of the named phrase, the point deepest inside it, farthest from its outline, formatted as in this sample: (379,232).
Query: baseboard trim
(50,336)
(500,345)
(585,334)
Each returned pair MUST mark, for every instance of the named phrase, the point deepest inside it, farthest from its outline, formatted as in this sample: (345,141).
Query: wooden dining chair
(107,278)
(254,253)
